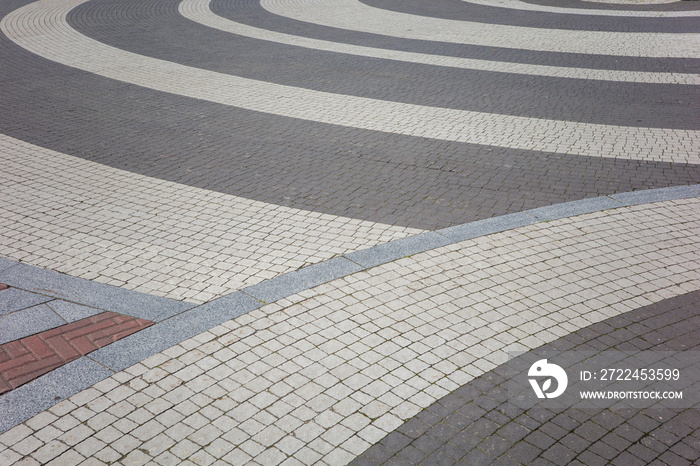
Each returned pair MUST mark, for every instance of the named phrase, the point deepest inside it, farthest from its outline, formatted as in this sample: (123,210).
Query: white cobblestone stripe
(521,5)
(41,28)
(200,12)
(100,223)
(318,377)
(356,16)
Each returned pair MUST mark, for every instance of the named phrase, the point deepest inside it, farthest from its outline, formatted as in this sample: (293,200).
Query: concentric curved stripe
(252,13)
(116,23)
(42,29)
(200,12)
(354,15)
(495,14)
(366,175)
(323,375)
(525,6)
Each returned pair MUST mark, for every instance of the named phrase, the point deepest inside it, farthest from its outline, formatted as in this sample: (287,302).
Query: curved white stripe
(41,28)
(217,243)
(356,16)
(200,12)
(520,5)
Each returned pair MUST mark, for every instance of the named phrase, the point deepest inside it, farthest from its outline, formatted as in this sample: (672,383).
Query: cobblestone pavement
(198,244)
(478,425)
(322,375)
(330,222)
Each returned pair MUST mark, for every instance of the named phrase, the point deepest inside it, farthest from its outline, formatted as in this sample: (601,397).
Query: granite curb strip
(34,397)
(178,321)
(161,336)
(92,294)
(308,277)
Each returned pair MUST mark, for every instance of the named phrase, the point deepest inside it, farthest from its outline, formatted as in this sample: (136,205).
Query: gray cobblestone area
(476,424)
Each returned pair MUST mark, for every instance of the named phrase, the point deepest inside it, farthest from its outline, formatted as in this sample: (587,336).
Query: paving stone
(448,28)
(149,282)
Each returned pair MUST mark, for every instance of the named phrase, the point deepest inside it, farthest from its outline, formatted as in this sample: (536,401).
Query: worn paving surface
(165,157)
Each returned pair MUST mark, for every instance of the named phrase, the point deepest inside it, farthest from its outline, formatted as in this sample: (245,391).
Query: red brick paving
(26,359)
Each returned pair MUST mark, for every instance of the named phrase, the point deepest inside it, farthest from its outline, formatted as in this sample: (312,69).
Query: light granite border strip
(152,340)
(23,403)
(286,285)
(6,264)
(99,295)
(394,250)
